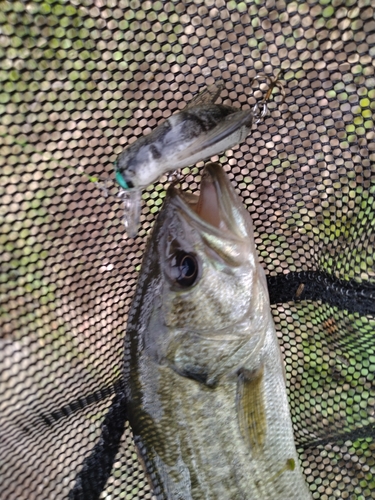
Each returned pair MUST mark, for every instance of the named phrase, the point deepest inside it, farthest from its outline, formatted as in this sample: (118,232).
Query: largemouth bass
(204,374)
(203,129)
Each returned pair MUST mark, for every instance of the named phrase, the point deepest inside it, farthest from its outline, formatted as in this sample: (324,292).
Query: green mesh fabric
(82,79)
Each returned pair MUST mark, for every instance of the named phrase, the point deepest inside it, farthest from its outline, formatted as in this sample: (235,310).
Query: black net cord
(97,467)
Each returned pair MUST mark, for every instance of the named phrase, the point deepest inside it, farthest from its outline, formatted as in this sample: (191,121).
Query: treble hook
(276,83)
(272,82)
(260,109)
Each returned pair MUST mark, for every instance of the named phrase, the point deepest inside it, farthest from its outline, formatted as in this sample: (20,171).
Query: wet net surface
(79,81)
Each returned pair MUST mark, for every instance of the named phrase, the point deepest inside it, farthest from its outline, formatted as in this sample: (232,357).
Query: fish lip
(234,218)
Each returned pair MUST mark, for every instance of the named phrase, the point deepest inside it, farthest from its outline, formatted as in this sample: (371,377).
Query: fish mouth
(217,207)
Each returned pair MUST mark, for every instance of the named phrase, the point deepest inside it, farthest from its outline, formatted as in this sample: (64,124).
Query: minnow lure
(200,131)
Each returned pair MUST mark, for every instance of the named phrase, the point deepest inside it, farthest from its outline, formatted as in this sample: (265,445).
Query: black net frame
(79,81)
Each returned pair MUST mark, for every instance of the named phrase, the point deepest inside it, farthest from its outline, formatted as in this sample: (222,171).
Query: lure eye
(120,179)
(155,152)
(185,269)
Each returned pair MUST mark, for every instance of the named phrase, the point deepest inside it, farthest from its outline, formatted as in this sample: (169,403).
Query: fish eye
(185,268)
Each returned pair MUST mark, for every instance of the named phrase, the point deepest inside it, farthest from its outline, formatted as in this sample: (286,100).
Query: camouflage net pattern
(82,79)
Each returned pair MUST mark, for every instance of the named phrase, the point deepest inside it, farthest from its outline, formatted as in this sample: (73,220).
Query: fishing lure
(201,130)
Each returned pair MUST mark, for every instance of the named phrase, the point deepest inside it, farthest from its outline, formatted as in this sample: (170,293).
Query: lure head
(146,159)
(135,167)
(121,179)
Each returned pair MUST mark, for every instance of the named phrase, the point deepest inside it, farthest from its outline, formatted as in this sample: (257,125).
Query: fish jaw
(200,358)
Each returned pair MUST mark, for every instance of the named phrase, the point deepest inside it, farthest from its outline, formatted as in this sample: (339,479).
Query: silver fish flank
(204,374)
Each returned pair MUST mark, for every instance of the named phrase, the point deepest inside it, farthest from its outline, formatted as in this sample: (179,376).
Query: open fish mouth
(217,207)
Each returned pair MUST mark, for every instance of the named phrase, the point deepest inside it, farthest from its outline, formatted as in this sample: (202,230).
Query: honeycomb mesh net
(82,79)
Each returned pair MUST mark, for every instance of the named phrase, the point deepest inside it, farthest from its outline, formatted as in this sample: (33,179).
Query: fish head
(211,284)
(208,255)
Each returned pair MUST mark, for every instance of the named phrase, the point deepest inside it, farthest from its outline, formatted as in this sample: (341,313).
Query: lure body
(203,129)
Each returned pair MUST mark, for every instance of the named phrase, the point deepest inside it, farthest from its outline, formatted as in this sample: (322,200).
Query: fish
(203,371)
(201,130)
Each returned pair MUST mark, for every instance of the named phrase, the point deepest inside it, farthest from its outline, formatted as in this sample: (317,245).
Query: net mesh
(82,79)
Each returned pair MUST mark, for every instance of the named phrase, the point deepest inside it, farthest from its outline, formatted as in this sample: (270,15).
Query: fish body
(203,129)
(203,370)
